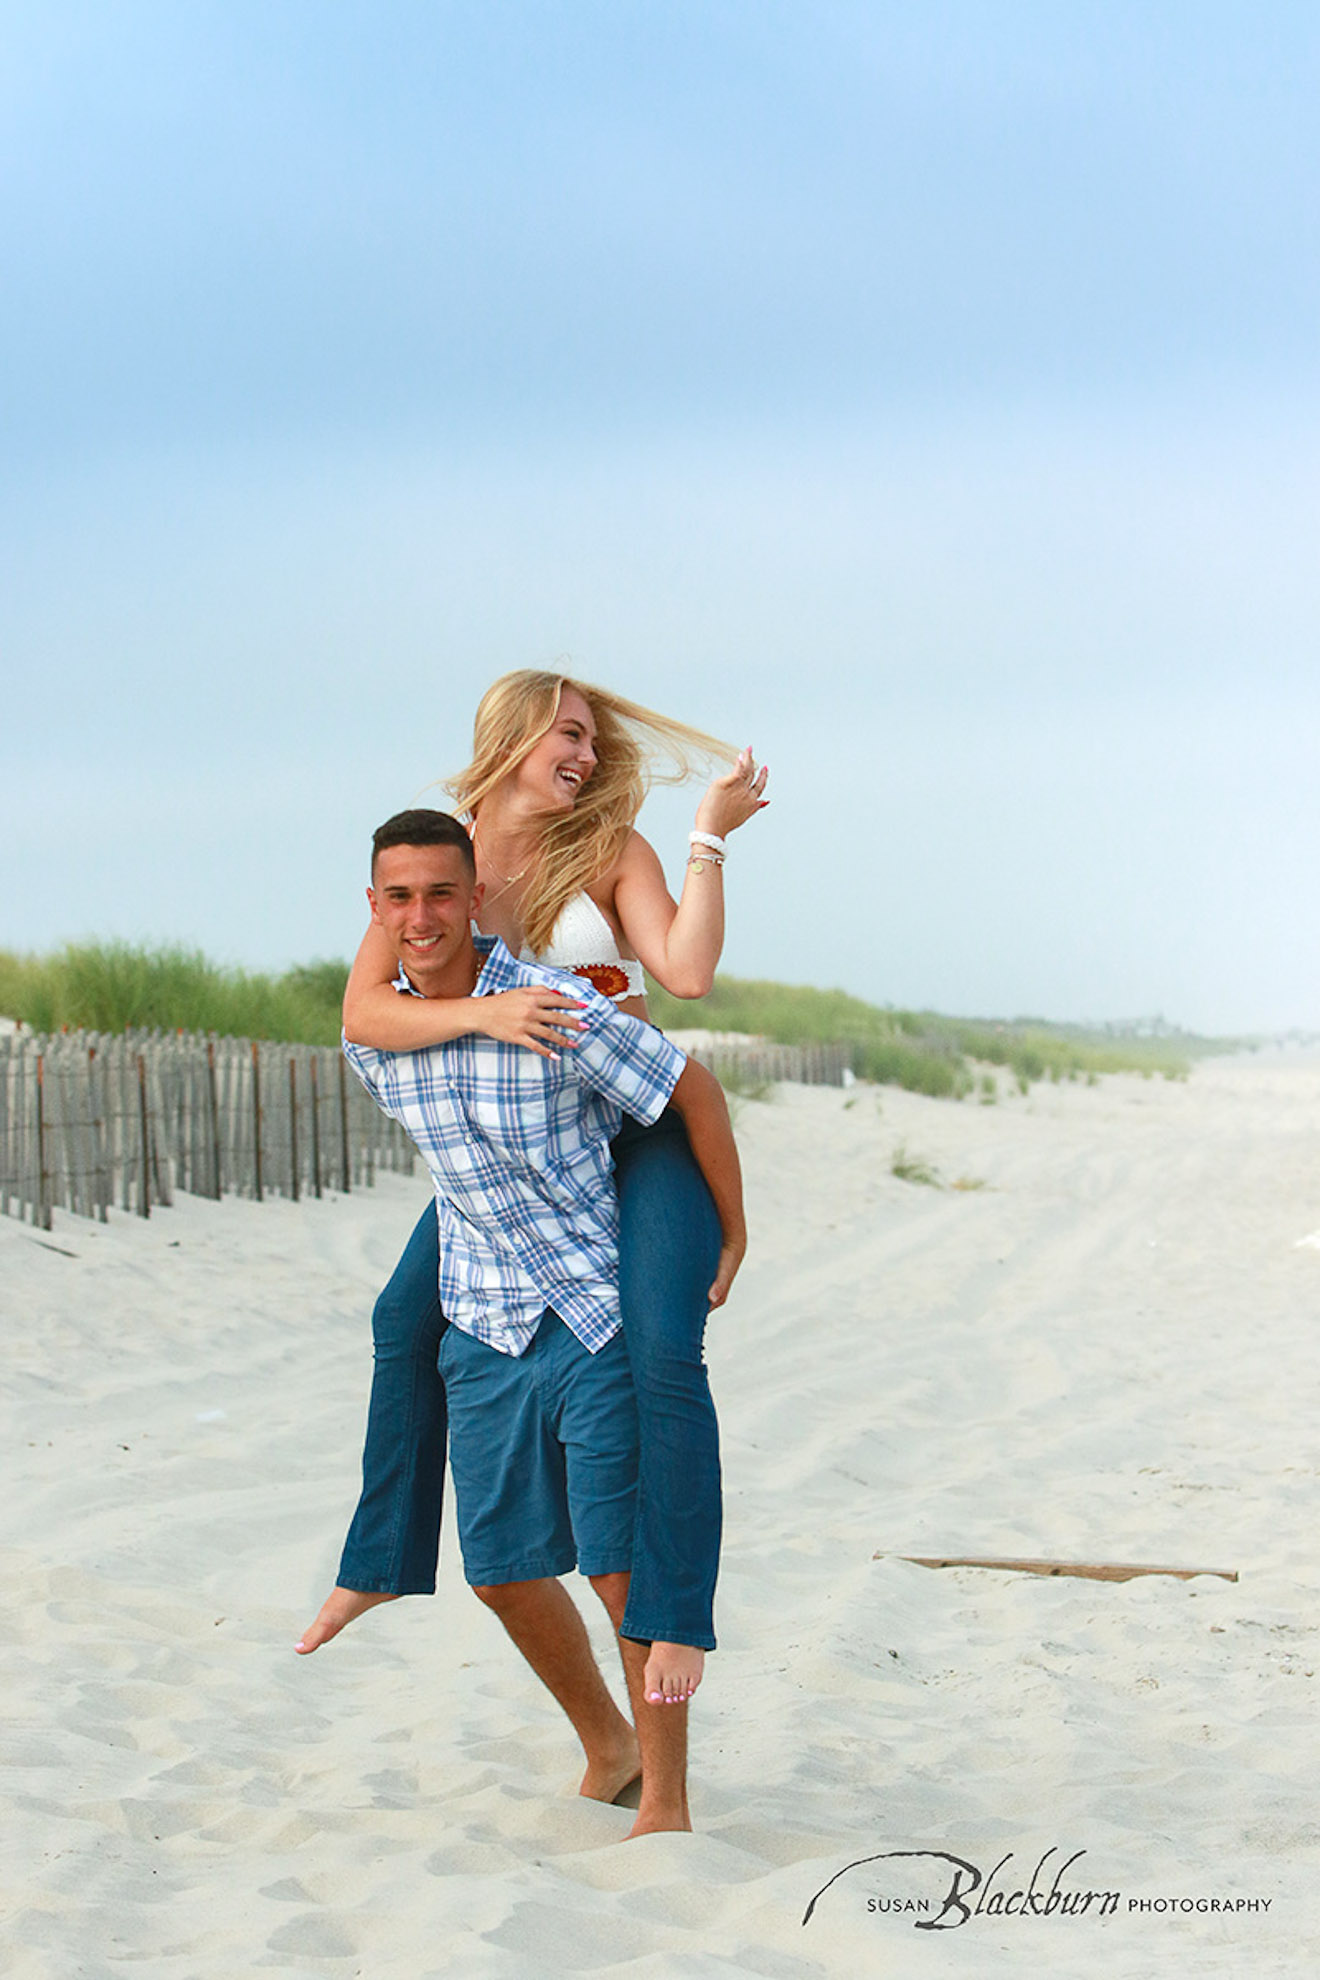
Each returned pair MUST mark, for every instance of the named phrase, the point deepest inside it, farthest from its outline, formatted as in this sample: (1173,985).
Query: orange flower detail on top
(608,978)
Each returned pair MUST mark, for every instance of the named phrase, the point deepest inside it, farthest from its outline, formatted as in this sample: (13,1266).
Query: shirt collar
(498,971)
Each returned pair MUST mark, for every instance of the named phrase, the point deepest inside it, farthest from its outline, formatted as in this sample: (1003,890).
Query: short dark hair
(423,828)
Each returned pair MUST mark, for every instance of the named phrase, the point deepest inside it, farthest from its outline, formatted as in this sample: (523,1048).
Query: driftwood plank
(1086,1570)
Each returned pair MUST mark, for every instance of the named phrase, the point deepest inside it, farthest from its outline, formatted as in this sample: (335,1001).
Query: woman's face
(554,772)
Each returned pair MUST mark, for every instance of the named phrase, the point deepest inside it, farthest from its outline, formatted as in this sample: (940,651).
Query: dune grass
(913,1168)
(922,1051)
(117,986)
(111,986)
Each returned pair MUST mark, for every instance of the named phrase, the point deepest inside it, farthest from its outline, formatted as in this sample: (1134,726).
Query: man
(542,1421)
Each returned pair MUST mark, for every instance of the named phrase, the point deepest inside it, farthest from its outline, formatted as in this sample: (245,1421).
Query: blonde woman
(558,775)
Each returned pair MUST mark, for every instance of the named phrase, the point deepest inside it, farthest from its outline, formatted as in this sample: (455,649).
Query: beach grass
(112,986)
(944,1057)
(118,986)
(914,1168)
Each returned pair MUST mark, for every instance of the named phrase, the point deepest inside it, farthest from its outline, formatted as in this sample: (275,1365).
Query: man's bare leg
(661,1733)
(341,1606)
(673,1672)
(542,1620)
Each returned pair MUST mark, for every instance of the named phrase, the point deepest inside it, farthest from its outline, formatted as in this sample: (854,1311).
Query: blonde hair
(635,748)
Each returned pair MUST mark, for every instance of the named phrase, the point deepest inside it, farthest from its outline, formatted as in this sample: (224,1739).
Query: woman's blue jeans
(669,1243)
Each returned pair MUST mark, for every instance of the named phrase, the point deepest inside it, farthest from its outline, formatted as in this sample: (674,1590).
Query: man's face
(424,898)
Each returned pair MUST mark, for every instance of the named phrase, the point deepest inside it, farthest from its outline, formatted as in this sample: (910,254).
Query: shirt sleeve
(625,1059)
(367,1065)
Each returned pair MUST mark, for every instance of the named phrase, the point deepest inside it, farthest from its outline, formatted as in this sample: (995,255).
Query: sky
(926,393)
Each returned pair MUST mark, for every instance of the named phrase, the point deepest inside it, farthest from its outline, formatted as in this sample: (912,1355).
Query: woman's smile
(565,756)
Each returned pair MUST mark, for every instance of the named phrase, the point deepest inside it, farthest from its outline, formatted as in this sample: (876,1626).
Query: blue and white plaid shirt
(519,1152)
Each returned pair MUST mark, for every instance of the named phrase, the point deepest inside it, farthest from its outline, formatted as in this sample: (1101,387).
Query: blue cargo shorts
(543,1453)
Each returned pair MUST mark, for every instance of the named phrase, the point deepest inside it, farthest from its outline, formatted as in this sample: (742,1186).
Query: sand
(1107,1351)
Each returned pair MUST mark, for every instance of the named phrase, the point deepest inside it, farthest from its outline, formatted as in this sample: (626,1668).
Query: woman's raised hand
(538,1017)
(735,797)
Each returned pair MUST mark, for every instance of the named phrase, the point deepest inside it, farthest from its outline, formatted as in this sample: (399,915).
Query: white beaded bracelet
(706,839)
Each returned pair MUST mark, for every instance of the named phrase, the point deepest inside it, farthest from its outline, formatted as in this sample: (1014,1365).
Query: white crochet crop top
(583,941)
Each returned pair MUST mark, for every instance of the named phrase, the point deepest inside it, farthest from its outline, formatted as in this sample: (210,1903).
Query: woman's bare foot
(673,1672)
(342,1605)
(608,1774)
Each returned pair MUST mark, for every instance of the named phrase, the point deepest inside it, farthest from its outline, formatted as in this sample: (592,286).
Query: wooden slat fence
(90,1119)
(753,1062)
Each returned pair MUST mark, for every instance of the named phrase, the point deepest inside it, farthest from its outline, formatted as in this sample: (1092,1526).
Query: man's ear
(371,898)
(478,896)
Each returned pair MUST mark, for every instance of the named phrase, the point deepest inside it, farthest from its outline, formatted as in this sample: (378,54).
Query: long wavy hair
(635,748)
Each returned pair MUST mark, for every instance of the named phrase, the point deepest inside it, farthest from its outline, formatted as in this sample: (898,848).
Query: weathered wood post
(144,1193)
(101,1154)
(316,1126)
(346,1165)
(293,1127)
(41,1209)
(213,1098)
(256,1122)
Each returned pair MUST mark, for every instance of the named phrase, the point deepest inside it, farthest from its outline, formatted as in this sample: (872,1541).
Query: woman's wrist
(483,1013)
(705,852)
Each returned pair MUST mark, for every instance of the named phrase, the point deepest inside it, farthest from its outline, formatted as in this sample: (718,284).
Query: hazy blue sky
(927,393)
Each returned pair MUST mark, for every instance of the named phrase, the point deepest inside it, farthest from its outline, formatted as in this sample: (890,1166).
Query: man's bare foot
(659,1821)
(341,1606)
(610,1773)
(672,1674)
